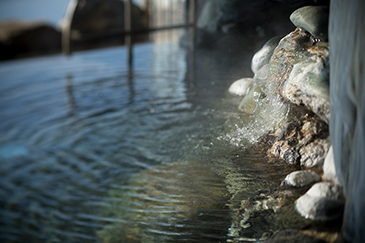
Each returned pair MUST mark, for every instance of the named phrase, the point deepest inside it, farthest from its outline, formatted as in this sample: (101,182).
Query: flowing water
(91,152)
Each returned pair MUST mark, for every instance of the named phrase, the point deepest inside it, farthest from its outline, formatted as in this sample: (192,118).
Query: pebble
(323,201)
(301,178)
(313,19)
(242,86)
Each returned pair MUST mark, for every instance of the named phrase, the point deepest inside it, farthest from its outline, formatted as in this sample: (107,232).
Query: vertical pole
(128,29)
(193,13)
(187,13)
(66,27)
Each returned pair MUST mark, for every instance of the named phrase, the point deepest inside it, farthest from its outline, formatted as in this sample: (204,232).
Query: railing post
(193,14)
(66,27)
(128,29)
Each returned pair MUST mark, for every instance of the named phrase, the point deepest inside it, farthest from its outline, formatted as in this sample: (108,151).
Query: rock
(329,169)
(301,178)
(314,153)
(241,86)
(25,38)
(308,84)
(324,201)
(263,56)
(313,19)
(300,71)
(304,142)
(249,102)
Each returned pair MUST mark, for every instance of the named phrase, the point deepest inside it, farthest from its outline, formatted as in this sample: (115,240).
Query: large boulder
(24,39)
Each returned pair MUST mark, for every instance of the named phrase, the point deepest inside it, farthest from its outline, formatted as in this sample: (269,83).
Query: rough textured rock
(313,19)
(324,201)
(302,178)
(304,142)
(308,84)
(347,38)
(242,86)
(24,38)
(300,71)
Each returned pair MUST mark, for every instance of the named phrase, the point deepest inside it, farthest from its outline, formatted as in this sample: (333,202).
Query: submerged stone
(241,86)
(301,178)
(324,201)
(313,19)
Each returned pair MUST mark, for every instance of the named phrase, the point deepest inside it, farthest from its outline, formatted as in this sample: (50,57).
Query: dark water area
(92,153)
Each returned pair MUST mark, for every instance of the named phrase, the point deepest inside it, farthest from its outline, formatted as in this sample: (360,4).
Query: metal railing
(162,16)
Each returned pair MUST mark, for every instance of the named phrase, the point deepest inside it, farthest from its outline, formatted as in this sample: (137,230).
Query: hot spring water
(92,153)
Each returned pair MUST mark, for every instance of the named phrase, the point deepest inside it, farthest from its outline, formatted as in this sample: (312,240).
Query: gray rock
(263,56)
(313,19)
(329,170)
(242,86)
(28,38)
(304,142)
(308,84)
(314,154)
(301,178)
(324,201)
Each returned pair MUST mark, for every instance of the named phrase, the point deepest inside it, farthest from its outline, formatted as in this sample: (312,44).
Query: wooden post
(128,29)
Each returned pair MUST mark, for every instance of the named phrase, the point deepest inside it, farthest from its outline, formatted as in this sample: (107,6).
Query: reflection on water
(91,153)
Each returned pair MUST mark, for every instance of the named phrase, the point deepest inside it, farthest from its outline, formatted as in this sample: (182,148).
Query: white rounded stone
(324,201)
(241,86)
(301,178)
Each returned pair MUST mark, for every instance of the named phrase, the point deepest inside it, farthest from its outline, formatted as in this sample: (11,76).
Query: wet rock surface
(313,19)
(303,142)
(302,178)
(324,201)
(301,72)
(262,57)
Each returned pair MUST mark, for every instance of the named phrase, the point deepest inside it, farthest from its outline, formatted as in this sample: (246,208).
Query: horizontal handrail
(115,33)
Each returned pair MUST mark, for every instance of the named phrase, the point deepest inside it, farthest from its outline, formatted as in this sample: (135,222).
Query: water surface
(91,152)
